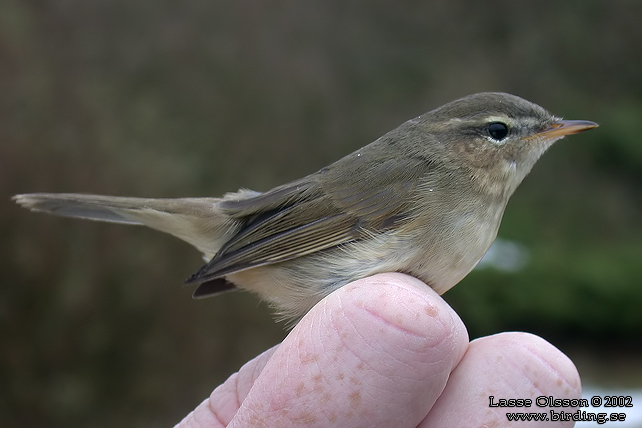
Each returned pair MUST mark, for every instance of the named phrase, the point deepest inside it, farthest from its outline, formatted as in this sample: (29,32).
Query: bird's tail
(198,221)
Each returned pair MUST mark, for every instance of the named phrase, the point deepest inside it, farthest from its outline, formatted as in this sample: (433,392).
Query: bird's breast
(452,240)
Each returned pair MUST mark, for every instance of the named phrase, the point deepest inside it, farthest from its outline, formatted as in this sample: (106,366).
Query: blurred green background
(171,98)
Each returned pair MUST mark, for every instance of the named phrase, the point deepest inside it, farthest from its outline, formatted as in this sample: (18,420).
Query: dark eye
(498,130)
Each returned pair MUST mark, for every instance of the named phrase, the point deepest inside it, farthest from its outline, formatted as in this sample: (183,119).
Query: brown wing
(334,206)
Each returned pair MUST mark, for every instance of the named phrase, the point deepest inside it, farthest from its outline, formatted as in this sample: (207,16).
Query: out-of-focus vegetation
(171,98)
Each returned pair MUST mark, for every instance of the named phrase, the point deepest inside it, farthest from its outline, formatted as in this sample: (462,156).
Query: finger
(221,406)
(506,365)
(376,352)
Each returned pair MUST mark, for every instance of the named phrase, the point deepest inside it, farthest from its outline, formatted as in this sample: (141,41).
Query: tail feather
(92,207)
(198,221)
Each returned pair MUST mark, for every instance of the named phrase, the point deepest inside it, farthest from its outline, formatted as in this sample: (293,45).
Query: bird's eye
(498,130)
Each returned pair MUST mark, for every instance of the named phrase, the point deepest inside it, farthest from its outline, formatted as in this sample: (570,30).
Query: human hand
(388,351)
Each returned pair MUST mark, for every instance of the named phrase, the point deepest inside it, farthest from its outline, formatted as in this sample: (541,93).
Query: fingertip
(504,366)
(387,342)
(539,360)
(397,305)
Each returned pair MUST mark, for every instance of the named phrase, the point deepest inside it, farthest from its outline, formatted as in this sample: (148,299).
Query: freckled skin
(425,199)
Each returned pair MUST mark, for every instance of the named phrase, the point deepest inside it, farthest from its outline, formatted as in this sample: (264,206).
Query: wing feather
(292,243)
(326,209)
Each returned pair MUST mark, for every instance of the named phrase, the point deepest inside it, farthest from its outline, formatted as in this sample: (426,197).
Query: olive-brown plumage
(426,199)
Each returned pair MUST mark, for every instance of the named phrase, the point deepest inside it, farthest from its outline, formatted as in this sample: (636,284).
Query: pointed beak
(566,127)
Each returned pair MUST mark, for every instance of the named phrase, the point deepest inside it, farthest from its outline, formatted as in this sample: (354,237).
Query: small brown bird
(426,199)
